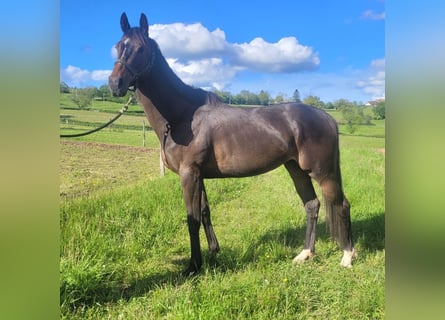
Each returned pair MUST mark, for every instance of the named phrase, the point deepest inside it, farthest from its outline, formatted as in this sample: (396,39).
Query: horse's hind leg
(338,218)
(207,223)
(305,190)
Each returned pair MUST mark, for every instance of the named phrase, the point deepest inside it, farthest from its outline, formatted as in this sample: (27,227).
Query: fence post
(143,133)
(161,163)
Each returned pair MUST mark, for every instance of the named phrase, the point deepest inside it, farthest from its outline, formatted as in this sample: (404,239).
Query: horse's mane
(213,99)
(196,95)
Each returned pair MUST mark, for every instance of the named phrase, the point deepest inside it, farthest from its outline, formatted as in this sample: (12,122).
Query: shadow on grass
(368,233)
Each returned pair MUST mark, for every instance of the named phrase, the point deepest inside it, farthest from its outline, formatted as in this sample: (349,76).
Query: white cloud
(194,41)
(378,63)
(371,15)
(207,73)
(73,75)
(285,56)
(113,52)
(188,41)
(100,75)
(373,83)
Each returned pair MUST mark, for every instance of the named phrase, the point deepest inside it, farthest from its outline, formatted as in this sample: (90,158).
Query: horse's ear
(125,26)
(144,24)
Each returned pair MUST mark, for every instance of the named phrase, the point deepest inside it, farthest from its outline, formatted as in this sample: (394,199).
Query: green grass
(124,240)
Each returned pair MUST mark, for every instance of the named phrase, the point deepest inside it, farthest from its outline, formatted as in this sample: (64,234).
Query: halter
(136,74)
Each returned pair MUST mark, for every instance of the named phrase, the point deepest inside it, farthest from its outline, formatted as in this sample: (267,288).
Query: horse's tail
(337,207)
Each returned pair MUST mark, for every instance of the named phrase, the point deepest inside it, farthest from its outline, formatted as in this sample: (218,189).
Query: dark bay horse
(201,137)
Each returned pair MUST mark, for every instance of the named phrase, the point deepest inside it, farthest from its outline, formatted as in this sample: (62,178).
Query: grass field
(124,238)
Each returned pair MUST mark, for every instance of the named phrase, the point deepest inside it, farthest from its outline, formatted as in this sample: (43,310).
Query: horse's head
(134,56)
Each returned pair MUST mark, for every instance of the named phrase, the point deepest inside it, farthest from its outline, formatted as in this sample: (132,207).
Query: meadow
(124,238)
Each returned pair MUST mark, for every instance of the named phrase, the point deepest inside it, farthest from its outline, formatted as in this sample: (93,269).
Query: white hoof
(303,256)
(346,261)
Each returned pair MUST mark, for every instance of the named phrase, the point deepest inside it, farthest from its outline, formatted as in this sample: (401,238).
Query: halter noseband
(136,74)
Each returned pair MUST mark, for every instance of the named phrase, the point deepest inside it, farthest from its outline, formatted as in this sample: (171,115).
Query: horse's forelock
(136,34)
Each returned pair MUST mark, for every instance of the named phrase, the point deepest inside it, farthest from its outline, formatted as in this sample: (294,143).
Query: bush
(82,97)
(379,111)
(352,114)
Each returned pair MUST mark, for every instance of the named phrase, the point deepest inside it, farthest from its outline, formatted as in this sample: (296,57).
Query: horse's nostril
(117,86)
(115,82)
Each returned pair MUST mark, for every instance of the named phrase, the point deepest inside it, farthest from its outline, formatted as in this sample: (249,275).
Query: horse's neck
(166,99)
(155,118)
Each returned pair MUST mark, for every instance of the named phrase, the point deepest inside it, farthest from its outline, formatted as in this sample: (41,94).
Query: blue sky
(331,49)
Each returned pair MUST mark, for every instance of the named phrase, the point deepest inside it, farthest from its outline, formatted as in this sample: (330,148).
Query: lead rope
(121,112)
(166,133)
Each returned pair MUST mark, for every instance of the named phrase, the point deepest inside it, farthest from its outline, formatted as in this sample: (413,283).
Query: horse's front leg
(192,186)
(207,223)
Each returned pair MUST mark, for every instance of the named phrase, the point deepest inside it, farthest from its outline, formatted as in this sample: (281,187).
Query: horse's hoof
(191,271)
(346,260)
(213,251)
(303,256)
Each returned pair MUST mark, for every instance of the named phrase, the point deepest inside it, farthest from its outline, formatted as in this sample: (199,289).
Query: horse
(203,138)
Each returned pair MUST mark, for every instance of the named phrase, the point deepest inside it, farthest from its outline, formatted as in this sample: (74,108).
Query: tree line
(352,111)
(83,97)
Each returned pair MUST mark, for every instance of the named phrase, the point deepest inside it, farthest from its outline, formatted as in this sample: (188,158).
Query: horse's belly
(246,160)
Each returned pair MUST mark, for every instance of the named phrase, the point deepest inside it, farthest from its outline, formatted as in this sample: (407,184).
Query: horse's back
(305,121)
(253,140)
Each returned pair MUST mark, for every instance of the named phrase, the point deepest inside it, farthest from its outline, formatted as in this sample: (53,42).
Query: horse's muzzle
(117,87)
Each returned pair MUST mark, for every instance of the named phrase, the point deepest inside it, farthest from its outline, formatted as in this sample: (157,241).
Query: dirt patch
(381,151)
(89,167)
(107,146)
